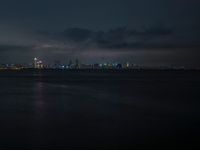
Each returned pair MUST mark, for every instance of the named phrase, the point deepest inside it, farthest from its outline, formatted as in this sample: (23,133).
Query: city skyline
(38,63)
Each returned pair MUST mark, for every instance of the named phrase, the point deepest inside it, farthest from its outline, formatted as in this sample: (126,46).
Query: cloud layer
(149,45)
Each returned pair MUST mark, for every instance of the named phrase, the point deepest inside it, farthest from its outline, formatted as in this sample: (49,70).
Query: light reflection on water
(39,98)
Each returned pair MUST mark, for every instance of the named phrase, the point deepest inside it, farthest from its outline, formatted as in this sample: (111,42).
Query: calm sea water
(98,109)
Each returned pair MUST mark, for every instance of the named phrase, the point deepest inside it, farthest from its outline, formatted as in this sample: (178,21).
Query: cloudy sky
(146,32)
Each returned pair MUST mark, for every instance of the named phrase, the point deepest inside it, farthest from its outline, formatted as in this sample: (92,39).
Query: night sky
(145,32)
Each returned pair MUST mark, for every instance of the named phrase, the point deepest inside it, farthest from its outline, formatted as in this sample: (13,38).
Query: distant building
(38,64)
(119,66)
(35,62)
(127,65)
(96,66)
(77,64)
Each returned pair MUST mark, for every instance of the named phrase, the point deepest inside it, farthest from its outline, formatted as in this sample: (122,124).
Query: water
(98,109)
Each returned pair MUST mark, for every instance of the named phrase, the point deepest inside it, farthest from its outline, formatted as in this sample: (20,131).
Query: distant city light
(39,64)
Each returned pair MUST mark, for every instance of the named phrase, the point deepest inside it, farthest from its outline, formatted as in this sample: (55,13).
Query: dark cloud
(157,37)
(122,38)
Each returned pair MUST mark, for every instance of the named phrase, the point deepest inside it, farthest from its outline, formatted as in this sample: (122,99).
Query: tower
(77,64)
(35,62)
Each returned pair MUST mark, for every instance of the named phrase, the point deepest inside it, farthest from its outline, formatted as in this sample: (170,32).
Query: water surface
(98,109)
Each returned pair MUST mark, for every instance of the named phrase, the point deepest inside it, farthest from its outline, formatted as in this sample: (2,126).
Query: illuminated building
(127,65)
(35,62)
(40,65)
